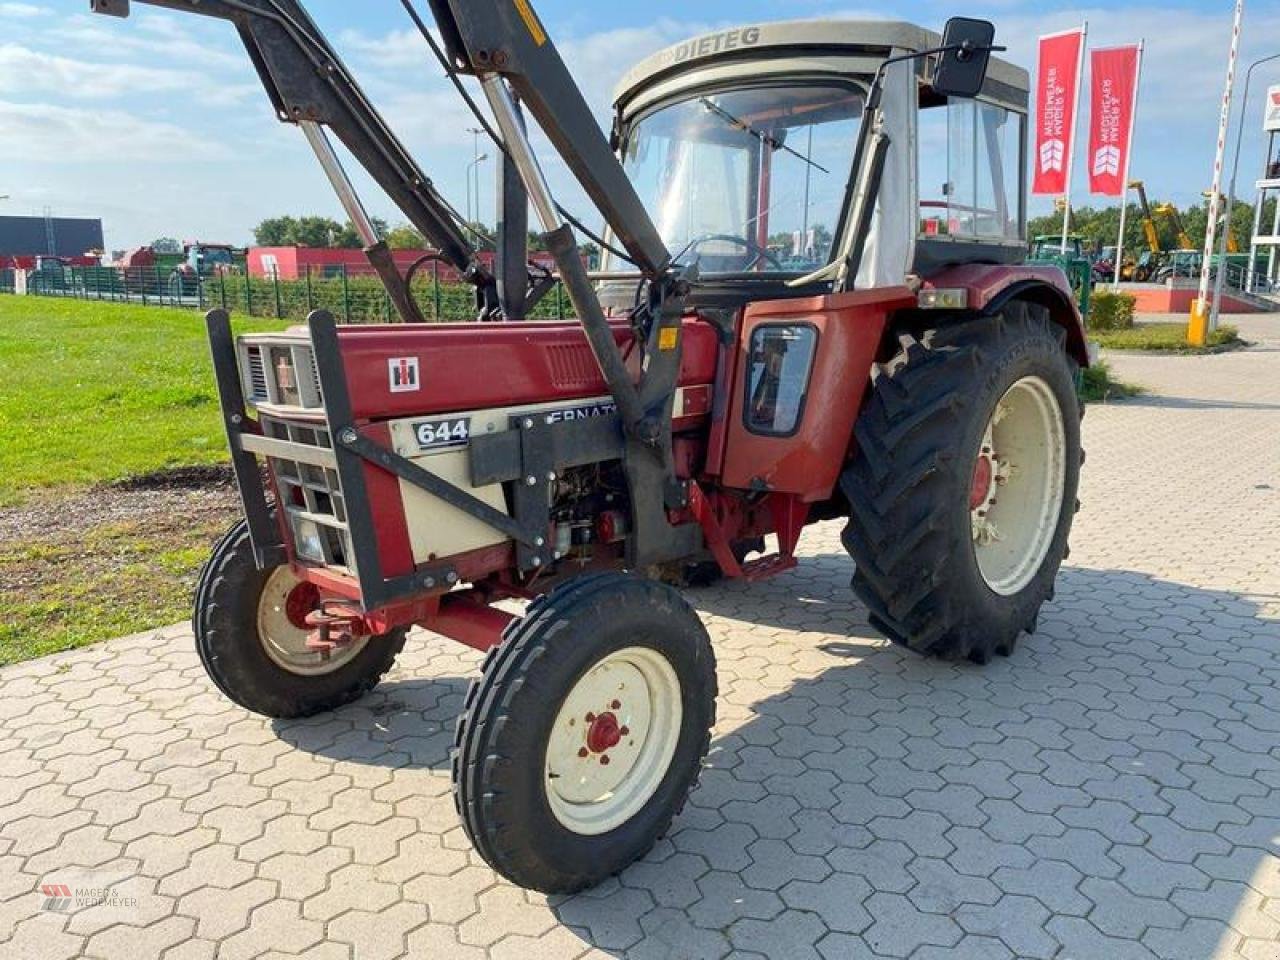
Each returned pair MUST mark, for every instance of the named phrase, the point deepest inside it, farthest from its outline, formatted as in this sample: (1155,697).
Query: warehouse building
(56,236)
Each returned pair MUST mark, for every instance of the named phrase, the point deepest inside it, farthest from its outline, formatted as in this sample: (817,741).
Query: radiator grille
(257,376)
(281,374)
(312,493)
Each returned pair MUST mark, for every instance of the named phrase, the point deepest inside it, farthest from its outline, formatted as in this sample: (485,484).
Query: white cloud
(24,11)
(23,70)
(47,134)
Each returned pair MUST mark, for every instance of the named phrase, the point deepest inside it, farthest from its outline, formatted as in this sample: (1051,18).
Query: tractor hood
(839,46)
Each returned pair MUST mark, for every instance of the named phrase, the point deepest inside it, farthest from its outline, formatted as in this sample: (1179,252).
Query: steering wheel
(754,250)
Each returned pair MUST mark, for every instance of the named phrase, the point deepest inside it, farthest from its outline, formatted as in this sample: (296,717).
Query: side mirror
(966,52)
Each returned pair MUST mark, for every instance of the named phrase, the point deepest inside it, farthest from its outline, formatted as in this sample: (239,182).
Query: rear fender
(991,286)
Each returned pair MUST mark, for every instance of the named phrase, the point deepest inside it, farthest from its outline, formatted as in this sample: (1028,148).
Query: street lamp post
(472,172)
(1231,192)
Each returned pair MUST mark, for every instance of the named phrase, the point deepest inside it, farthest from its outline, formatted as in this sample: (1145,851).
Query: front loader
(785,331)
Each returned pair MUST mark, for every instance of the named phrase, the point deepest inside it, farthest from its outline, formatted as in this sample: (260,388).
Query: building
(293,263)
(56,236)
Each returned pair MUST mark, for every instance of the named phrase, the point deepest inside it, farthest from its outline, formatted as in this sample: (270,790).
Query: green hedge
(1111,311)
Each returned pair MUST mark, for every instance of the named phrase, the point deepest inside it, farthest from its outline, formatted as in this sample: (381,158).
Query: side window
(778,368)
(975,150)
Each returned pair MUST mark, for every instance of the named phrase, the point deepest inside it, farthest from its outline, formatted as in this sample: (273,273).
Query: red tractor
(901,368)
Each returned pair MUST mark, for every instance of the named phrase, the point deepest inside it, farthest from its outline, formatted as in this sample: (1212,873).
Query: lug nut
(528,423)
(591,718)
(531,480)
(616,705)
(604,760)
(624,731)
(584,752)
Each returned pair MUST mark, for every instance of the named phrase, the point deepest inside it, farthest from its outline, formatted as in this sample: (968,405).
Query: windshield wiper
(762,137)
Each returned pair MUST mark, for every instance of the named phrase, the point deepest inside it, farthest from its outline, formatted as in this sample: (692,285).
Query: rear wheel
(251,635)
(585,732)
(964,488)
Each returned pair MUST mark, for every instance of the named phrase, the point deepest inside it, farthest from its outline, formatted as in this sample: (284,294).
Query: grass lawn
(1165,337)
(63,592)
(94,392)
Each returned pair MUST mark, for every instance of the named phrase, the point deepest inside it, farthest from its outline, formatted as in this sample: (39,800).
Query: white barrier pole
(1202,320)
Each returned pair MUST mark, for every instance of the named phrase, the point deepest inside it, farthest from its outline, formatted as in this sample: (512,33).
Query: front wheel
(251,635)
(585,732)
(964,488)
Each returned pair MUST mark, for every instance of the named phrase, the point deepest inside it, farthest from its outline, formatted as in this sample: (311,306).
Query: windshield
(747,180)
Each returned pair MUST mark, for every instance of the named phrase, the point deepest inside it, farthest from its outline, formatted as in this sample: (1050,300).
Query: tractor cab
(742,145)
(1046,247)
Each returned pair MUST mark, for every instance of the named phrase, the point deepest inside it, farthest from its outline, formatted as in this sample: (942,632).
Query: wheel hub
(302,600)
(981,487)
(604,734)
(612,740)
(283,608)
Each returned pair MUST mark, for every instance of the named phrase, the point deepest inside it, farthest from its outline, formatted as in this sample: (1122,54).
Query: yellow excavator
(1144,268)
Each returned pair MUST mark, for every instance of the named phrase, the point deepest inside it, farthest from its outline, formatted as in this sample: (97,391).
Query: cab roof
(810,43)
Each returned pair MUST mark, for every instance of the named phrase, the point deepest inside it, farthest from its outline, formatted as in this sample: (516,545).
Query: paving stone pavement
(1110,791)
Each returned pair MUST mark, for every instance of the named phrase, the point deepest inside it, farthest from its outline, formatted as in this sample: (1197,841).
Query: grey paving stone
(1110,791)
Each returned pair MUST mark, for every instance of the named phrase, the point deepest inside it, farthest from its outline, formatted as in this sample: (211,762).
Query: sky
(158,124)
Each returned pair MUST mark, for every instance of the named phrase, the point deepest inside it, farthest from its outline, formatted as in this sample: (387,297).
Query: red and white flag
(1057,87)
(1115,90)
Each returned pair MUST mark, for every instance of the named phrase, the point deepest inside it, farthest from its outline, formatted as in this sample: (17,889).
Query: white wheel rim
(285,642)
(1017,488)
(594,782)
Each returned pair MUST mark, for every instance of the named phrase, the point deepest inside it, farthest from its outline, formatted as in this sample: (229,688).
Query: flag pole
(1128,159)
(1071,140)
(1202,320)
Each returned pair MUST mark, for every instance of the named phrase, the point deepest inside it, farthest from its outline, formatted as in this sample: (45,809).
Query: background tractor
(914,377)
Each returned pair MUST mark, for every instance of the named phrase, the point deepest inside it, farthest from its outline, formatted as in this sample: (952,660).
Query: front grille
(257,376)
(281,373)
(311,493)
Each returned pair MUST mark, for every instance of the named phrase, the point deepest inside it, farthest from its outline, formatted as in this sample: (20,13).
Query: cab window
(778,367)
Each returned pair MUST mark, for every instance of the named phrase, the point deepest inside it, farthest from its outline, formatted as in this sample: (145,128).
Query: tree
(166,245)
(276,232)
(405,237)
(347,238)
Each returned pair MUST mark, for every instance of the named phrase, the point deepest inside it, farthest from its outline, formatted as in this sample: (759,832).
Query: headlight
(943,298)
(307,541)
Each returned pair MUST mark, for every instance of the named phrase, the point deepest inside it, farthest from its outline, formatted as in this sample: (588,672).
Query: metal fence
(352,295)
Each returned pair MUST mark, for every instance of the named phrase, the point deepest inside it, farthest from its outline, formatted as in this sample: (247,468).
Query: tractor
(914,378)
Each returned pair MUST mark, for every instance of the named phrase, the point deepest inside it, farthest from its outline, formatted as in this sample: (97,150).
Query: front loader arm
(309,85)
(504,45)
(507,39)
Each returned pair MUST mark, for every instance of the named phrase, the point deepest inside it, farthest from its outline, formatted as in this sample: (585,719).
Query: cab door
(803,368)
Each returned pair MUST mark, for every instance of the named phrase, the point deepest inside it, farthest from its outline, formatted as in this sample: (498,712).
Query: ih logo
(402,375)
(1053,154)
(57,897)
(1107,161)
